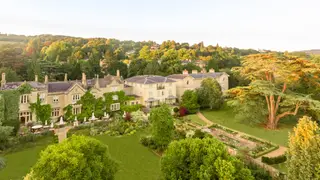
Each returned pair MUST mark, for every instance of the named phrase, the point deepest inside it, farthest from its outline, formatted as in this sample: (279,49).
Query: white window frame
(115,107)
(150,94)
(55,112)
(55,99)
(24,99)
(75,97)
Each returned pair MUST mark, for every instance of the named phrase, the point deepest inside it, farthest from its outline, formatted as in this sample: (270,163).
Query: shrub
(2,163)
(182,111)
(55,139)
(175,109)
(274,160)
(179,134)
(199,134)
(148,142)
(127,117)
(5,132)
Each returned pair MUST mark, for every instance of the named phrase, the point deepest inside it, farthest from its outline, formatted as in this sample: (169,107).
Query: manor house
(147,90)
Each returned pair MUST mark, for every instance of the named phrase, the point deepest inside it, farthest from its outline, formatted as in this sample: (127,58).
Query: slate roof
(196,76)
(59,86)
(103,82)
(149,79)
(14,85)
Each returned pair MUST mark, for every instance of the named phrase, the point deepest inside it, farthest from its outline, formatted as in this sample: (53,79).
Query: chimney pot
(211,70)
(194,72)
(65,77)
(84,79)
(46,79)
(118,73)
(185,71)
(3,79)
(36,78)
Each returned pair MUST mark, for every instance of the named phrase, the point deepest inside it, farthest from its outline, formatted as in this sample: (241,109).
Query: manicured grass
(226,118)
(195,119)
(19,163)
(135,161)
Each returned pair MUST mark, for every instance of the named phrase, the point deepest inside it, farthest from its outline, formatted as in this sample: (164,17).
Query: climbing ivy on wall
(25,88)
(11,109)
(121,98)
(1,109)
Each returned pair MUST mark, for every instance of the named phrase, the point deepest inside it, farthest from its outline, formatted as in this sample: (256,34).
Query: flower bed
(230,131)
(229,141)
(262,148)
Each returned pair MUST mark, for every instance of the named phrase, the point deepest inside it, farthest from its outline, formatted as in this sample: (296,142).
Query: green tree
(78,157)
(273,77)
(212,64)
(11,75)
(122,67)
(189,100)
(152,68)
(207,158)
(162,126)
(42,111)
(144,53)
(91,104)
(210,94)
(304,151)
(68,112)
(136,67)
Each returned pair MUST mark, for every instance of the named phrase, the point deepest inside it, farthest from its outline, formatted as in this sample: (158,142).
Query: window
(115,97)
(170,92)
(25,116)
(132,103)
(42,97)
(137,102)
(187,82)
(162,93)
(24,99)
(76,110)
(150,94)
(125,103)
(55,112)
(158,93)
(75,97)
(55,99)
(115,107)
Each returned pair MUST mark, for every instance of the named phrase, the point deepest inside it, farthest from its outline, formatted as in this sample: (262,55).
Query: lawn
(195,119)
(225,117)
(135,161)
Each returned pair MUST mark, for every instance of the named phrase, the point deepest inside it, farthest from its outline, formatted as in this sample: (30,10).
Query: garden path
(62,132)
(204,119)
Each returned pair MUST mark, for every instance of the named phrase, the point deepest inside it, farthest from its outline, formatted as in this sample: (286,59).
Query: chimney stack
(65,77)
(97,85)
(185,71)
(46,79)
(84,80)
(36,78)
(194,72)
(211,70)
(118,73)
(3,79)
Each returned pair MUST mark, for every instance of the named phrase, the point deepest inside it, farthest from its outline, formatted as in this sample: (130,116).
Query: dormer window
(55,99)
(42,97)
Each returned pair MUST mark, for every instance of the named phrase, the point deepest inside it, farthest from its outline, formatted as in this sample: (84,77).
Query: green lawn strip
(225,117)
(282,167)
(18,163)
(195,119)
(135,161)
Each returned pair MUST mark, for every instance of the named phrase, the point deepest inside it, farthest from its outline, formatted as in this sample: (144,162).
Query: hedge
(274,160)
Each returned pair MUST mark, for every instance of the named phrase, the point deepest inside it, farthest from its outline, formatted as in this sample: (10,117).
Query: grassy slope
(226,118)
(194,118)
(136,162)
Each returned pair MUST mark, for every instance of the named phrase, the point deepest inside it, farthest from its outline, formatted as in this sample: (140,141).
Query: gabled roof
(59,86)
(103,82)
(149,79)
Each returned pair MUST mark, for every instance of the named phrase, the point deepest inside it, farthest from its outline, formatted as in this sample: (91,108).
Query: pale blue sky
(259,24)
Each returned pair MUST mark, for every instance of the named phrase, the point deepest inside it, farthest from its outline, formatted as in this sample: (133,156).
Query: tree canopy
(189,100)
(273,77)
(207,158)
(78,157)
(210,94)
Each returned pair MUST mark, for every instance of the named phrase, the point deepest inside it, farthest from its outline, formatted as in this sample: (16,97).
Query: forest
(22,57)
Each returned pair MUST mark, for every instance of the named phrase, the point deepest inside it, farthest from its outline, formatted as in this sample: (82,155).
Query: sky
(260,24)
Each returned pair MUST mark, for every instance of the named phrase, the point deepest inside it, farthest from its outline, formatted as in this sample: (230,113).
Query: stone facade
(149,90)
